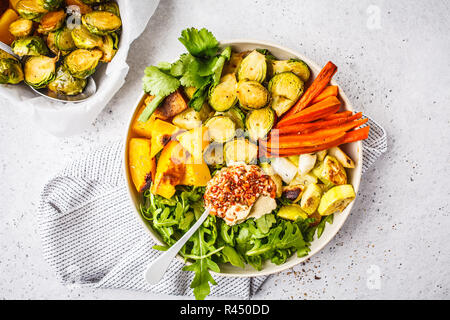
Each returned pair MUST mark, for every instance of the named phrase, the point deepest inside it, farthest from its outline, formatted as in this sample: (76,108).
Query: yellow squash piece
(336,199)
(342,157)
(195,141)
(142,166)
(170,169)
(161,133)
(197,173)
(292,212)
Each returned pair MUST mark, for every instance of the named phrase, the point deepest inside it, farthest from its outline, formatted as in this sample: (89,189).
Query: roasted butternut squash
(6,19)
(161,133)
(142,166)
(195,141)
(172,105)
(143,129)
(197,173)
(170,170)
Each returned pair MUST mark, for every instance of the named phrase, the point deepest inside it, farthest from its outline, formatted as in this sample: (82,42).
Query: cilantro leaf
(199,43)
(158,83)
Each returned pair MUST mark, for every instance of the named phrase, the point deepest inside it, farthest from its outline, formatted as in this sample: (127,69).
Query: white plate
(354,150)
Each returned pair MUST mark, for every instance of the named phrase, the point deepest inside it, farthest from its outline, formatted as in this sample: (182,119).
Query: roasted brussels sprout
(90,2)
(213,154)
(298,67)
(10,71)
(30,9)
(64,40)
(252,95)
(285,89)
(51,5)
(221,129)
(52,21)
(240,150)
(260,122)
(190,119)
(101,22)
(234,114)
(83,39)
(39,71)
(81,63)
(21,28)
(29,46)
(109,47)
(65,83)
(223,96)
(112,7)
(253,67)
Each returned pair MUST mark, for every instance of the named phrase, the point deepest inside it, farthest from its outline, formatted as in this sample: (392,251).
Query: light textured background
(396,69)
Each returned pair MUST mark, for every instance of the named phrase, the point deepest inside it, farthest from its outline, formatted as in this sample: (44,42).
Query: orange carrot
(319,110)
(327,92)
(342,114)
(356,135)
(321,81)
(297,151)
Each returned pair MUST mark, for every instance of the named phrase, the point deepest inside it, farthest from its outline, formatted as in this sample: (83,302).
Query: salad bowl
(353,150)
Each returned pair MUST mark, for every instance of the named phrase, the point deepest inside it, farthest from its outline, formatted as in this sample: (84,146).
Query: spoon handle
(155,271)
(7,49)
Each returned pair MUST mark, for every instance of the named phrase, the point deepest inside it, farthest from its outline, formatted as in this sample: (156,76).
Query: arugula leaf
(199,43)
(321,225)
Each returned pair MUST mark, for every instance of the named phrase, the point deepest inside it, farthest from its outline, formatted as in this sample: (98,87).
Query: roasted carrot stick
(319,110)
(342,114)
(297,151)
(321,81)
(356,135)
(312,126)
(327,92)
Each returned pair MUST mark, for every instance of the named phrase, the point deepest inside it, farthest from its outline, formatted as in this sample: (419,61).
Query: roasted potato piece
(172,105)
(142,166)
(161,134)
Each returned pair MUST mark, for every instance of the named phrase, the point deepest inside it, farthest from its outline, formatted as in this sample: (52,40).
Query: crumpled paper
(65,119)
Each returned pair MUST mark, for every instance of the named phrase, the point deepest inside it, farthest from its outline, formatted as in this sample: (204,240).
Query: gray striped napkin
(92,237)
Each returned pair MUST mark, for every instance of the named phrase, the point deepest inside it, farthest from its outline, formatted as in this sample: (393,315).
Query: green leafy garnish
(200,43)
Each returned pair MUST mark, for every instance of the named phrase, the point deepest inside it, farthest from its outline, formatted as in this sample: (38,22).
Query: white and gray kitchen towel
(91,236)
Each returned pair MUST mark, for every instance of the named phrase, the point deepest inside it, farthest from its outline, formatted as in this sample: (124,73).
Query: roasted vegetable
(39,71)
(172,105)
(21,28)
(195,141)
(321,155)
(342,157)
(63,40)
(65,83)
(213,154)
(234,62)
(29,46)
(330,171)
(291,212)
(253,67)
(83,39)
(197,173)
(293,192)
(143,129)
(84,8)
(91,2)
(240,150)
(31,9)
(311,198)
(298,67)
(285,89)
(112,7)
(260,122)
(303,179)
(162,133)
(10,71)
(190,119)
(101,22)
(170,169)
(336,199)
(234,114)
(306,163)
(51,5)
(267,168)
(81,63)
(109,47)
(252,95)
(284,168)
(221,128)
(223,96)
(142,166)
(52,21)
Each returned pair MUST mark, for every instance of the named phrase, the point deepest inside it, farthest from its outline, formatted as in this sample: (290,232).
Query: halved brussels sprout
(64,40)
(234,114)
(260,122)
(109,47)
(252,95)
(30,9)
(298,67)
(101,22)
(10,71)
(29,46)
(112,7)
(21,28)
(83,39)
(240,150)
(93,1)
(253,67)
(213,154)
(221,129)
(51,5)
(65,83)
(235,60)
(285,89)
(39,71)
(223,96)
(52,21)
(81,63)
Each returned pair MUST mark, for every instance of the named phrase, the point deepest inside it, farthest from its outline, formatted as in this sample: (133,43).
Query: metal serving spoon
(88,91)
(155,271)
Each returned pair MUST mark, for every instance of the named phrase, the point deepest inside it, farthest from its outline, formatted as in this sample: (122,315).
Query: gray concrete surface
(394,64)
